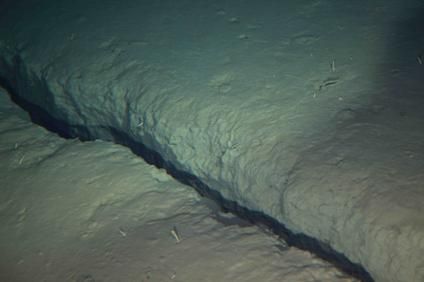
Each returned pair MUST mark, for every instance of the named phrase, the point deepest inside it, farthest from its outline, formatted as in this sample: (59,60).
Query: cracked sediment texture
(323,159)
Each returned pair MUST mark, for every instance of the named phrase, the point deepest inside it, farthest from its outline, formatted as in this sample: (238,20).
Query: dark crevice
(41,117)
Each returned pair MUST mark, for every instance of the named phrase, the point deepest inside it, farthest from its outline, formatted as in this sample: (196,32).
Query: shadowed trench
(321,124)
